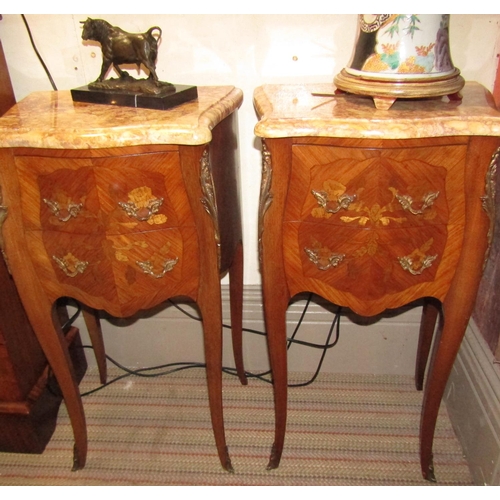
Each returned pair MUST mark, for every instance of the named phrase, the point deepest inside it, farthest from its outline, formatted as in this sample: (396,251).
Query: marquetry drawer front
(72,264)
(118,273)
(141,193)
(373,188)
(114,194)
(150,267)
(369,264)
(59,194)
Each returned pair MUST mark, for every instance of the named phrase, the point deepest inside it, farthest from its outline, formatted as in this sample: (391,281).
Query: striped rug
(342,430)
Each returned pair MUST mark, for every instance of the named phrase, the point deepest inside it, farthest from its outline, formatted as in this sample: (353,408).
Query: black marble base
(173,96)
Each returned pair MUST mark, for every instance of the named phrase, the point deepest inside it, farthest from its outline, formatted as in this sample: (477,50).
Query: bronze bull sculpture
(120,47)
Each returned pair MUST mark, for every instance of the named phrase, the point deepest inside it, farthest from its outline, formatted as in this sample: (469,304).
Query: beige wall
(241,50)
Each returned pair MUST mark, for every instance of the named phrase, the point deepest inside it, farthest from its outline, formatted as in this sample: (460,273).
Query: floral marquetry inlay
(374,188)
(370,247)
(144,206)
(122,249)
(70,265)
(375,215)
(334,194)
(418,260)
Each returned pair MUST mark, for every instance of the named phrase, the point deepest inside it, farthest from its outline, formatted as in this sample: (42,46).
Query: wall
(473,402)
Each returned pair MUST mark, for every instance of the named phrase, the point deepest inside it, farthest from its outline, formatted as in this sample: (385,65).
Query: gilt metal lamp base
(385,92)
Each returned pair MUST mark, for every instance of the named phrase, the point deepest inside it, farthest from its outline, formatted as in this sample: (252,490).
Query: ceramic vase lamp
(401,56)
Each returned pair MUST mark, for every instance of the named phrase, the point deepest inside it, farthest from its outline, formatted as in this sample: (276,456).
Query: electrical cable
(185,365)
(179,366)
(139,372)
(336,322)
(291,340)
(47,72)
(65,326)
(264,334)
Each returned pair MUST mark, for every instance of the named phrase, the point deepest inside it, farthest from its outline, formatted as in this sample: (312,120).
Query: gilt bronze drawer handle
(406,202)
(343,201)
(143,213)
(147,267)
(64,215)
(70,265)
(408,264)
(333,260)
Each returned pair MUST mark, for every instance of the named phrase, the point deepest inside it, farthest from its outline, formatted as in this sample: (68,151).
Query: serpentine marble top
(53,120)
(315,110)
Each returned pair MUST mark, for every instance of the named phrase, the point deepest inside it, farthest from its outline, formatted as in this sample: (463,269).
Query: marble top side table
(122,208)
(373,209)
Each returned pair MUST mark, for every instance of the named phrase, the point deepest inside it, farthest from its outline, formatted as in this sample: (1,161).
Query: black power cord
(47,72)
(179,366)
(66,326)
(291,340)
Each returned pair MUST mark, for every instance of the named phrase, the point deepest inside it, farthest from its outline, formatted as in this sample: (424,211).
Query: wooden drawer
(374,188)
(142,192)
(368,264)
(117,273)
(59,194)
(388,261)
(150,267)
(120,194)
(73,265)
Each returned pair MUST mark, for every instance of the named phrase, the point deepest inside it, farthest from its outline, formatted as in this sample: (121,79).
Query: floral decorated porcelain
(401,55)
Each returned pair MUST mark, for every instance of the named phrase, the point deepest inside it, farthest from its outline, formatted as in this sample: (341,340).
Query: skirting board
(473,401)
(383,345)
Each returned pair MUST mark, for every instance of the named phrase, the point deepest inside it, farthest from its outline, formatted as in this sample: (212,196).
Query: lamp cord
(170,368)
(47,72)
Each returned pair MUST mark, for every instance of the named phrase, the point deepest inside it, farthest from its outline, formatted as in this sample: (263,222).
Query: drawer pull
(406,202)
(143,213)
(70,265)
(333,260)
(408,265)
(64,215)
(147,267)
(343,201)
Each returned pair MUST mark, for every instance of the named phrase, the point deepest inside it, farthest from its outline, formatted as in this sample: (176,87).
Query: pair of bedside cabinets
(123,208)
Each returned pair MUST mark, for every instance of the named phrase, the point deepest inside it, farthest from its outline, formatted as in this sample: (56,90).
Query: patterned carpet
(342,430)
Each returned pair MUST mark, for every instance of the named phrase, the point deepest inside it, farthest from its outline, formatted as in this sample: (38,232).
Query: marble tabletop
(53,120)
(315,110)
